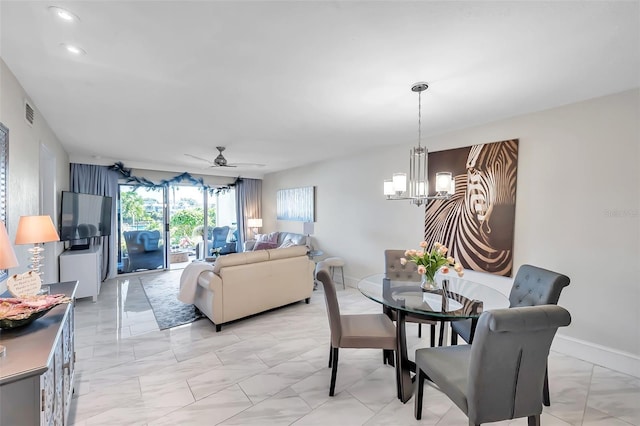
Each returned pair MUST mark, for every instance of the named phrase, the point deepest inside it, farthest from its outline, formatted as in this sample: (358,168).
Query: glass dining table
(456,299)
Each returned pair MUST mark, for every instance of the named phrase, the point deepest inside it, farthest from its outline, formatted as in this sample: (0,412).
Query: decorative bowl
(7,323)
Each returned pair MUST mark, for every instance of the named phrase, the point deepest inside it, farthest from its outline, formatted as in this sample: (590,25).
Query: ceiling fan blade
(248,165)
(199,158)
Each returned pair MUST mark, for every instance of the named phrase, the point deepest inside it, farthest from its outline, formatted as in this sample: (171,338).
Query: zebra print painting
(477,223)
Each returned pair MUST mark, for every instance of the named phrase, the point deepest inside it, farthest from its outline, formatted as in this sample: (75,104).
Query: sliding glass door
(186,224)
(154,237)
(141,231)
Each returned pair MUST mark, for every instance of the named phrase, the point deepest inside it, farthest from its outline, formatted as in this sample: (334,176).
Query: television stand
(85,267)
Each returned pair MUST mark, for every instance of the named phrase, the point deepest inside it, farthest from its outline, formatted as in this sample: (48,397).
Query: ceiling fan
(220,161)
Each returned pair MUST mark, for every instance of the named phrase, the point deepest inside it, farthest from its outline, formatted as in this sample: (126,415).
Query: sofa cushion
(283,253)
(234,259)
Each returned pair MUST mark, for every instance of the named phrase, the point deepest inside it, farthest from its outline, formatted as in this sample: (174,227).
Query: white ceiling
(292,82)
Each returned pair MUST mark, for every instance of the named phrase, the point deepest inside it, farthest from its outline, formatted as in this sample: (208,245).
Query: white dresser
(37,371)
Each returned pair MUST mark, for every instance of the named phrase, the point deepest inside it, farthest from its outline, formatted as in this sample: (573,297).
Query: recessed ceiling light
(63,14)
(75,50)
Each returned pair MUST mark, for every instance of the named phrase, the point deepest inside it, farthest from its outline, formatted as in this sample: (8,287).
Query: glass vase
(428,282)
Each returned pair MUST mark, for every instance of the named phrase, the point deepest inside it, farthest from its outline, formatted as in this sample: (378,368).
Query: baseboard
(613,359)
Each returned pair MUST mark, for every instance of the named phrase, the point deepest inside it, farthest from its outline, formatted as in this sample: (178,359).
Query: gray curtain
(248,205)
(99,180)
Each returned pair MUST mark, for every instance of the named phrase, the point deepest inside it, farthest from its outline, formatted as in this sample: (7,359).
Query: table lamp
(7,259)
(36,230)
(254,224)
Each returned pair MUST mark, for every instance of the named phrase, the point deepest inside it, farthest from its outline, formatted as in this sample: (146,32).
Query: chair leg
(454,337)
(433,335)
(387,357)
(391,357)
(533,420)
(417,407)
(545,389)
(419,329)
(334,372)
(441,338)
(330,354)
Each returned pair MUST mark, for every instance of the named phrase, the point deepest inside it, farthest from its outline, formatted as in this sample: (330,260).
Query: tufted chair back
(501,375)
(534,286)
(394,270)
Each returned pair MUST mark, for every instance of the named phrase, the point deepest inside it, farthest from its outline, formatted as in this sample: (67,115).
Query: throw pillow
(266,241)
(264,245)
(287,243)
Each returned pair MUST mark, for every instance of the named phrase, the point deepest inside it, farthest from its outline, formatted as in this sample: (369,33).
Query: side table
(313,254)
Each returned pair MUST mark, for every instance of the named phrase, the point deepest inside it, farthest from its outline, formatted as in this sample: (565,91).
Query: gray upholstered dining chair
(501,374)
(532,286)
(395,270)
(371,331)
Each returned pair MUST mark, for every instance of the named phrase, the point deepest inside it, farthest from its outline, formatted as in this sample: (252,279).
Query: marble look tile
(282,409)
(314,389)
(377,389)
(593,417)
(210,410)
(270,382)
(272,369)
(343,409)
(616,394)
(224,376)
(104,398)
(286,350)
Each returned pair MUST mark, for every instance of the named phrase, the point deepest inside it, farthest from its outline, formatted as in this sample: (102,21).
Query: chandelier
(416,188)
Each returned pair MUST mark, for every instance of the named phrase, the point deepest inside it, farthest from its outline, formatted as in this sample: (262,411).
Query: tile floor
(272,370)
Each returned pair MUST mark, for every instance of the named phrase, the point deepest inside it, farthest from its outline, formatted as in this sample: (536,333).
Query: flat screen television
(84,216)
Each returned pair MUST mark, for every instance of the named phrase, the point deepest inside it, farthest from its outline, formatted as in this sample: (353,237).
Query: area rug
(162,292)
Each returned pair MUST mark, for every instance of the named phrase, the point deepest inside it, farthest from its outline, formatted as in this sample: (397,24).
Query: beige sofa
(243,284)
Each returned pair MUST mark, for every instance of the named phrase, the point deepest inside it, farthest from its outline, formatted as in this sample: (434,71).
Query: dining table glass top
(463,298)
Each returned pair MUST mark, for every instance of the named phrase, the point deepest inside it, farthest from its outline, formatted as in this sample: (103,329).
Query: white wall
(577,212)
(24,152)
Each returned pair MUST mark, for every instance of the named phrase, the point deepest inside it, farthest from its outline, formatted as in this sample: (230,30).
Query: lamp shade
(36,229)
(307,228)
(388,187)
(254,223)
(400,182)
(443,182)
(7,255)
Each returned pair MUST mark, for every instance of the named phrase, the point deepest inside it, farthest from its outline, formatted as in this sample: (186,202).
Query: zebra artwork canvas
(477,223)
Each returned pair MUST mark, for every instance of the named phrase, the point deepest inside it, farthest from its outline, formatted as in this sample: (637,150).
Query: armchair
(143,250)
(217,239)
